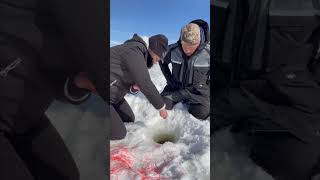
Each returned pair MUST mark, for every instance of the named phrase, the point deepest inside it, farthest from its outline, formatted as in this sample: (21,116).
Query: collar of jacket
(197,51)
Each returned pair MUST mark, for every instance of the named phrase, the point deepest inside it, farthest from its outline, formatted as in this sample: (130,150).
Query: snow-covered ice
(138,156)
(230,160)
(188,158)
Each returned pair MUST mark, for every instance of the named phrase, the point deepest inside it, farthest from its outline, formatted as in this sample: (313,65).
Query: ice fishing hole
(164,137)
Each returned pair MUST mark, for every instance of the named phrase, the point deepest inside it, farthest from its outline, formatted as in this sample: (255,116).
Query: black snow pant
(198,110)
(120,113)
(30,147)
(271,146)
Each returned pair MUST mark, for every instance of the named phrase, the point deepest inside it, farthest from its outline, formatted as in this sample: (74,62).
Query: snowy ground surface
(230,160)
(83,129)
(138,156)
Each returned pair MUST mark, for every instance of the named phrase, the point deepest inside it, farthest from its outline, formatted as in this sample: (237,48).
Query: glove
(171,86)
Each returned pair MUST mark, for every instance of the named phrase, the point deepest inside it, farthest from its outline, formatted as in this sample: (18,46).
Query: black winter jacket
(83,34)
(190,73)
(128,67)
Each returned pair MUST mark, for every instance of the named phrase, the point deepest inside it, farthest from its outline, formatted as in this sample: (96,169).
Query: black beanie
(158,44)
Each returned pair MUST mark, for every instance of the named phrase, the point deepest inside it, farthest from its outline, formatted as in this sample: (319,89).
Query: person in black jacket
(189,80)
(30,147)
(128,68)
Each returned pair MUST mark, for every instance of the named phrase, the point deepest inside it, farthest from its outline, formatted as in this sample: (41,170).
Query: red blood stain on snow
(122,160)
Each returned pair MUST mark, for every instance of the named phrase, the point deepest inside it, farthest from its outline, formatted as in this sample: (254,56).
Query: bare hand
(135,87)
(163,113)
(82,81)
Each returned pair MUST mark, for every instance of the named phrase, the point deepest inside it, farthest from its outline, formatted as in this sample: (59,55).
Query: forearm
(153,96)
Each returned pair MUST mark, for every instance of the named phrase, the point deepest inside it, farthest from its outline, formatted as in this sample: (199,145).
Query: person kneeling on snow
(128,69)
(188,82)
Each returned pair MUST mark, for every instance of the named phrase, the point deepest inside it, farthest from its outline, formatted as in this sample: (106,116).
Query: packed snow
(185,156)
(230,159)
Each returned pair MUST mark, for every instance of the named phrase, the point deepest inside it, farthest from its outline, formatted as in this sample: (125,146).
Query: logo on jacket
(4,72)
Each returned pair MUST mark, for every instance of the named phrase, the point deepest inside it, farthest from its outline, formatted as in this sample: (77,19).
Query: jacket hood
(144,49)
(204,25)
(137,38)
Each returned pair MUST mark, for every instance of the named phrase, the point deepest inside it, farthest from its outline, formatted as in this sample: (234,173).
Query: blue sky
(150,17)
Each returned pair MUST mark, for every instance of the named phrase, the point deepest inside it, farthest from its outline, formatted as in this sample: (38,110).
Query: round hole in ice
(164,137)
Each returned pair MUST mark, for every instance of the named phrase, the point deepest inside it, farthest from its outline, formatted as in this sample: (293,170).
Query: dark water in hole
(161,138)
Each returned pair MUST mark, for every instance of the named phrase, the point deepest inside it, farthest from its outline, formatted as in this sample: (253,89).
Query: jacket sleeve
(139,72)
(74,94)
(86,37)
(164,66)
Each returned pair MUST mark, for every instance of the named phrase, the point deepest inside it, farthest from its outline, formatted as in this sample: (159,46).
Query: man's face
(155,58)
(189,49)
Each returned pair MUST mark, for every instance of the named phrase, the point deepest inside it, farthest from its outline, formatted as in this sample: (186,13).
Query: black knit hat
(158,44)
